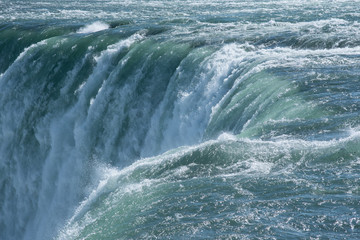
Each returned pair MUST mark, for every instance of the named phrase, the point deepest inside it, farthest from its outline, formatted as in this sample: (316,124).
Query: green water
(179,120)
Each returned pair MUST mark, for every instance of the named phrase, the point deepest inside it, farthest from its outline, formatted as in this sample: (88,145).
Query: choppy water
(179,119)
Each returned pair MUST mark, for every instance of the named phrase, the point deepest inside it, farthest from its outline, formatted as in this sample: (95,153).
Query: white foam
(227,137)
(94,27)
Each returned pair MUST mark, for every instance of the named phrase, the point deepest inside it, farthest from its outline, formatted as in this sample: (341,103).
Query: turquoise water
(179,119)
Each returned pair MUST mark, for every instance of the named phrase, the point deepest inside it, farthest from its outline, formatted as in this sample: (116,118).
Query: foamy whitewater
(179,119)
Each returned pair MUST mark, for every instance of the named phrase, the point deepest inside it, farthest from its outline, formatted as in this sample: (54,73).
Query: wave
(94,27)
(230,167)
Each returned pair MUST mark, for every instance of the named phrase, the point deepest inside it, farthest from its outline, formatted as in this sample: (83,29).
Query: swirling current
(179,119)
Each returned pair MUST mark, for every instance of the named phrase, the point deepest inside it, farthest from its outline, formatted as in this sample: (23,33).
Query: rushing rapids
(179,120)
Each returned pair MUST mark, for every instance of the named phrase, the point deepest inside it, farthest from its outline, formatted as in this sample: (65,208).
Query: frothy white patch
(227,137)
(94,27)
